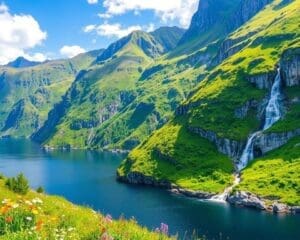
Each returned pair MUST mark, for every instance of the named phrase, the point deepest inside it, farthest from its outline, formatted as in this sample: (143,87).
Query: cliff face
(245,11)
(210,22)
(290,65)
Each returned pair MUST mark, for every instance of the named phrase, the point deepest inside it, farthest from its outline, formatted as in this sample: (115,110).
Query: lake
(88,178)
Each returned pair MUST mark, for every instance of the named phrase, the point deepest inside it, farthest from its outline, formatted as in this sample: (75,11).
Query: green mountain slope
(103,91)
(199,147)
(28,93)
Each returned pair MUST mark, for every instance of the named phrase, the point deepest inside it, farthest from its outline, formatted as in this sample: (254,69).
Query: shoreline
(239,199)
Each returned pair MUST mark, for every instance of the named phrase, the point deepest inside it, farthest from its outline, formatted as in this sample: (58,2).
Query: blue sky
(40,29)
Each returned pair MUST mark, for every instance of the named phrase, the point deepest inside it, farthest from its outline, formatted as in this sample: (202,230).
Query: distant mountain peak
(22,62)
(153,44)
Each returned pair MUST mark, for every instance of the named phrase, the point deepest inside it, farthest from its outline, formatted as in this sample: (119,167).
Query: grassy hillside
(38,216)
(122,99)
(28,94)
(275,176)
(214,102)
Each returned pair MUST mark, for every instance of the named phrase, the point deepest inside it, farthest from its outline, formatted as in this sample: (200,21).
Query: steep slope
(199,148)
(107,103)
(215,19)
(28,93)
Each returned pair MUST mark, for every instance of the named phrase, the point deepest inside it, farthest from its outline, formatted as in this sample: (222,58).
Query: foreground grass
(38,216)
(276,176)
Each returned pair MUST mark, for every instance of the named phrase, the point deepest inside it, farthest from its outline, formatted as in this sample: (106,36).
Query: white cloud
(89,28)
(71,51)
(111,30)
(181,10)
(38,57)
(18,34)
(92,1)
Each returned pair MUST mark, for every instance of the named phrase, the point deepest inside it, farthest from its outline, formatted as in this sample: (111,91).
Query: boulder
(246,200)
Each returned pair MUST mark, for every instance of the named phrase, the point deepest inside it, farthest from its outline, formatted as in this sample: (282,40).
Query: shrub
(18,185)
(40,189)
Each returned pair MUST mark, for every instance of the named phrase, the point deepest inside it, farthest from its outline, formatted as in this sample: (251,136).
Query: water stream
(272,115)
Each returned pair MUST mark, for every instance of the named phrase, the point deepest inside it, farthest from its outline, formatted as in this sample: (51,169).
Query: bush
(18,185)
(40,190)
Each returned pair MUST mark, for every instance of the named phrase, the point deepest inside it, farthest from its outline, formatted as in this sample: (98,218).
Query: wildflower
(39,225)
(15,205)
(105,236)
(35,212)
(28,203)
(9,219)
(108,218)
(5,200)
(4,209)
(37,201)
(164,228)
(29,219)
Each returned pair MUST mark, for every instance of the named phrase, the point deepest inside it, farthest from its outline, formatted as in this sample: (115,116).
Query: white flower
(5,201)
(29,218)
(15,205)
(37,201)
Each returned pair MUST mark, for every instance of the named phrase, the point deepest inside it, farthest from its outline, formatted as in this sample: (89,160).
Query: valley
(210,113)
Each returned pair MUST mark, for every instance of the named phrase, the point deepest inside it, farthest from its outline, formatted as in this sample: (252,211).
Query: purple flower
(164,228)
(108,218)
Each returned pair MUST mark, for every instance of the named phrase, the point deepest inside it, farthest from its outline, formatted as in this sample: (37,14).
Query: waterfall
(223,196)
(272,115)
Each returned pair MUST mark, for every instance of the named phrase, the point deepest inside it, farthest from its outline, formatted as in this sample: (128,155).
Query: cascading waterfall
(272,115)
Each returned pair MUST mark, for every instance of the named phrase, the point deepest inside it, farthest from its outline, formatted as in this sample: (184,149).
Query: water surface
(88,178)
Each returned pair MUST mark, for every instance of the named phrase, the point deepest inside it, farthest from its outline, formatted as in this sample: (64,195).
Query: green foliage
(40,190)
(275,176)
(18,184)
(183,158)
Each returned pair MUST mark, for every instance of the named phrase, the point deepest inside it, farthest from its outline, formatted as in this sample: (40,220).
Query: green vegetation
(185,159)
(37,216)
(28,94)
(275,176)
(18,184)
(172,153)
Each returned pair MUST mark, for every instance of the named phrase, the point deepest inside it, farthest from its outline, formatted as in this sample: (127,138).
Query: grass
(275,176)
(38,216)
(174,154)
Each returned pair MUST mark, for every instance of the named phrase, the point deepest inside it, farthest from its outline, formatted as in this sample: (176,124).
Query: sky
(50,29)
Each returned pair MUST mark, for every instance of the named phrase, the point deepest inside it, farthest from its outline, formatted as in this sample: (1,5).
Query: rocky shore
(239,198)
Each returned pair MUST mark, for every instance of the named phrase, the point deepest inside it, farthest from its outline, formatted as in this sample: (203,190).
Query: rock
(257,106)
(228,48)
(246,200)
(280,208)
(231,148)
(263,81)
(141,179)
(290,67)
(295,209)
(269,141)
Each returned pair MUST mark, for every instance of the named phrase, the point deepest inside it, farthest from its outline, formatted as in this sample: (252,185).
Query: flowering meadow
(34,216)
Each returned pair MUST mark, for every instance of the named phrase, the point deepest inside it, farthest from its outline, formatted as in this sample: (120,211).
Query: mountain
(192,104)
(200,148)
(105,91)
(168,37)
(22,62)
(215,19)
(28,93)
